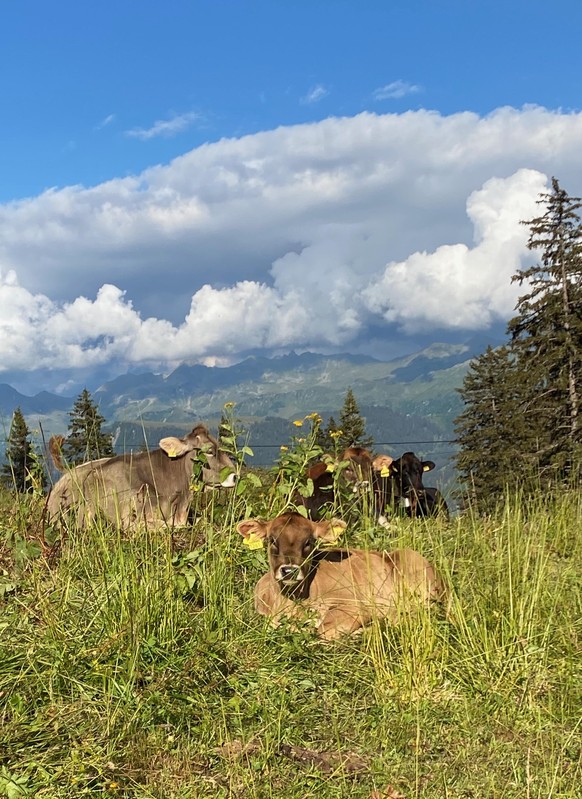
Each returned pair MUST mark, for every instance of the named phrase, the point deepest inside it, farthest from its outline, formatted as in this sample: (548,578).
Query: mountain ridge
(413,397)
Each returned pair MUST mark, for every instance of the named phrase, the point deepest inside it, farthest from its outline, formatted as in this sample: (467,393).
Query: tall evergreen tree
(546,333)
(522,402)
(324,437)
(352,424)
(86,440)
(492,430)
(19,456)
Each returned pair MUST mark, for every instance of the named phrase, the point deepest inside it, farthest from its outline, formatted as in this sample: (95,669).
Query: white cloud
(457,286)
(314,95)
(395,90)
(302,236)
(105,122)
(165,127)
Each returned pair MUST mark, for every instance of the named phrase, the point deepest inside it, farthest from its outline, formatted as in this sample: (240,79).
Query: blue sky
(79,76)
(198,180)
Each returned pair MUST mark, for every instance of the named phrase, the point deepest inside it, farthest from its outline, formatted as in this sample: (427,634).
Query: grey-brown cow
(151,488)
(343,589)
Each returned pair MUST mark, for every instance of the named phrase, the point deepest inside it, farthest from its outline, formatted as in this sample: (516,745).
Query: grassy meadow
(133,665)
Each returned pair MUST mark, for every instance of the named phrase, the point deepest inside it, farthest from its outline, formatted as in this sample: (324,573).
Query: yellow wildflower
(336,434)
(283,448)
(298,422)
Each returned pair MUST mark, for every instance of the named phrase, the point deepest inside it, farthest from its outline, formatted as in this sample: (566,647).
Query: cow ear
(175,447)
(383,465)
(253,527)
(329,530)
(254,532)
(427,466)
(314,472)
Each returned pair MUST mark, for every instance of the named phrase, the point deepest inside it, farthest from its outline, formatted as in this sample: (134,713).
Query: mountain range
(408,403)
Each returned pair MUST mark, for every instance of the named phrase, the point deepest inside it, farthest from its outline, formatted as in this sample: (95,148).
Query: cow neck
(302,589)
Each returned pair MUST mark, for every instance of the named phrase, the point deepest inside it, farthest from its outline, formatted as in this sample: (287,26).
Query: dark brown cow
(341,589)
(152,488)
(399,486)
(322,498)
(396,486)
(356,471)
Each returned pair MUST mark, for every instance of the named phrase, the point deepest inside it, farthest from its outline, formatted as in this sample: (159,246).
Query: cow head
(214,461)
(407,472)
(291,540)
(359,467)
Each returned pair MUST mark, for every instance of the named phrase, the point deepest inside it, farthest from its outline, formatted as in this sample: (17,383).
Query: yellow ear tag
(253,541)
(330,467)
(171,452)
(385,471)
(426,468)
(337,531)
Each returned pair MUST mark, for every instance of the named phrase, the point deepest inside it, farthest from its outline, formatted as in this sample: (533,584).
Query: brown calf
(343,589)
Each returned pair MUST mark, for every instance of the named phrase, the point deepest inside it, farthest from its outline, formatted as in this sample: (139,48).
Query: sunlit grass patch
(133,664)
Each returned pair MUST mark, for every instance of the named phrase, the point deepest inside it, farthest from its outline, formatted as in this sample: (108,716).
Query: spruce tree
(522,403)
(491,431)
(546,334)
(86,440)
(19,456)
(352,424)
(324,438)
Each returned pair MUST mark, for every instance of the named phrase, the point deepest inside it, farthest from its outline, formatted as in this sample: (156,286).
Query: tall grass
(134,665)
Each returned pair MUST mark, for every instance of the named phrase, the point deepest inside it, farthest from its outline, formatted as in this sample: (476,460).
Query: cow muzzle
(289,574)
(212,481)
(230,481)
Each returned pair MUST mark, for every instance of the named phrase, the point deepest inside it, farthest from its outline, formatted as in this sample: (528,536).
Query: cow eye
(307,546)
(274,545)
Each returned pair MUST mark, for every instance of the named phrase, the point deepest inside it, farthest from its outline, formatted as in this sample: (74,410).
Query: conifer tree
(324,437)
(86,440)
(546,333)
(522,402)
(491,431)
(352,424)
(19,455)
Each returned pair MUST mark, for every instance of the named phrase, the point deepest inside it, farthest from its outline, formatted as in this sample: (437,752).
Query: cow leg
(336,623)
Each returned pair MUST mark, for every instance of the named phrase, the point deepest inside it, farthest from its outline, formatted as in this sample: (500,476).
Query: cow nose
(290,573)
(230,481)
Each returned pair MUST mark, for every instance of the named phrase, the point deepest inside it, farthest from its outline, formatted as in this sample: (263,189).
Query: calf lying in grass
(344,589)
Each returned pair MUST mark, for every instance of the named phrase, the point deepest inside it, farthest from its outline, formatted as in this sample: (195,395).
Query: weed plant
(133,664)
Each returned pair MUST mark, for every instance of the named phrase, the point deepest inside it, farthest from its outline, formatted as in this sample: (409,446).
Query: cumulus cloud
(164,127)
(306,236)
(457,286)
(395,90)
